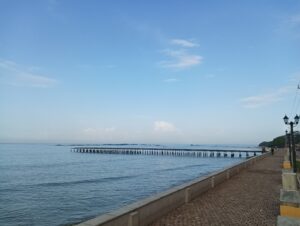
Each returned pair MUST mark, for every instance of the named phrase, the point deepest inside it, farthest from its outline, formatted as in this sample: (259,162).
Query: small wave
(183,167)
(44,165)
(87,181)
(68,183)
(9,190)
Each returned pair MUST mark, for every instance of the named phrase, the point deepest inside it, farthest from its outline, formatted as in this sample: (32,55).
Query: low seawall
(146,211)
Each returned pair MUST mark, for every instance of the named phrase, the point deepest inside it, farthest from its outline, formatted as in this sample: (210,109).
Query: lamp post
(286,139)
(292,124)
(288,144)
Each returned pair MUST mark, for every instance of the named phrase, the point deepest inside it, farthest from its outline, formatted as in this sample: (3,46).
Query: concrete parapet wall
(289,181)
(287,165)
(144,212)
(287,221)
(290,198)
(289,211)
(198,188)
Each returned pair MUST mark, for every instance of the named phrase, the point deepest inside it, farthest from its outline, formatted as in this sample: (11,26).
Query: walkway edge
(144,212)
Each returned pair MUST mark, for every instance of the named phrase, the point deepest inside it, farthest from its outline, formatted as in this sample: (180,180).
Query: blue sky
(206,72)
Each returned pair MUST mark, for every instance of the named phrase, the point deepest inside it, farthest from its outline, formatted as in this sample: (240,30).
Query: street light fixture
(296,119)
(286,119)
(293,150)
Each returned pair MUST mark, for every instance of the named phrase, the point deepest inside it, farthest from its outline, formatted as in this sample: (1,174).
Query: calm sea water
(49,185)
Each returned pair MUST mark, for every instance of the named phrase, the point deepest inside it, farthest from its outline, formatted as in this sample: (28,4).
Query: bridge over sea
(167,151)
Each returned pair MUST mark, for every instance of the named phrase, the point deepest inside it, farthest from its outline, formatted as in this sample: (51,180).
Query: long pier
(166,151)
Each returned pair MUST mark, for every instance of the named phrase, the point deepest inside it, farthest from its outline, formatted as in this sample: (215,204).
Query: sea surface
(47,184)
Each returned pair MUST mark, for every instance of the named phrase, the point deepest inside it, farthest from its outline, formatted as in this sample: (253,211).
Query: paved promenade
(249,198)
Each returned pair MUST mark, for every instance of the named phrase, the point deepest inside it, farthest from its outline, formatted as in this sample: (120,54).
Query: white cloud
(7,64)
(85,66)
(181,59)
(266,99)
(163,126)
(184,43)
(294,20)
(171,80)
(208,76)
(290,26)
(258,101)
(17,75)
(28,79)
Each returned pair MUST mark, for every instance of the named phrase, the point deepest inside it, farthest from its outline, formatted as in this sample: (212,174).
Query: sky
(201,72)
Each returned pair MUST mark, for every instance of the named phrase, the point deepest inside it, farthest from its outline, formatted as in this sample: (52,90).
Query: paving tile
(249,198)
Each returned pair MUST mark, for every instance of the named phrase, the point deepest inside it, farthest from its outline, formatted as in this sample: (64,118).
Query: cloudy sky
(206,72)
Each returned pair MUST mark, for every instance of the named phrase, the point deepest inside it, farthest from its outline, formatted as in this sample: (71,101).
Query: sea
(47,184)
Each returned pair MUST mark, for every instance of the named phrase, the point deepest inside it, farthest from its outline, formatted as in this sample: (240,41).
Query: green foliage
(280,141)
(297,137)
(298,165)
(265,144)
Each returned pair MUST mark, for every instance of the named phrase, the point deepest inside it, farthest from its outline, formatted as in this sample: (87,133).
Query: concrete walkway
(249,198)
